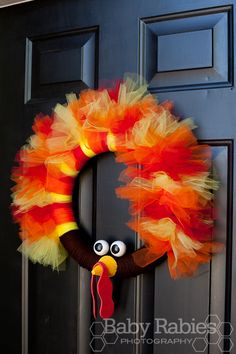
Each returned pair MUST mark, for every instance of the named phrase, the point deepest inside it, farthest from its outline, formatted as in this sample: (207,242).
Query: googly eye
(118,248)
(101,247)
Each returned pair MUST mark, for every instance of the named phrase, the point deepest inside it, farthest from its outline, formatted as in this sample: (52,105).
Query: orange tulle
(184,255)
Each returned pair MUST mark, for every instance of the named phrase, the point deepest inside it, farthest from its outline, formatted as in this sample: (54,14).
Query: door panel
(185,50)
(206,40)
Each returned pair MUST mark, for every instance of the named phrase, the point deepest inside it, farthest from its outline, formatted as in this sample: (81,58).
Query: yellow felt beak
(109,262)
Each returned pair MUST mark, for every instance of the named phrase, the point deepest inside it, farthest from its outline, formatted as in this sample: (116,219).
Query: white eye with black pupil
(101,247)
(118,248)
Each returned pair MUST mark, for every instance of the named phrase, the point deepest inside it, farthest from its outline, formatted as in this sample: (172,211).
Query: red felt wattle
(104,290)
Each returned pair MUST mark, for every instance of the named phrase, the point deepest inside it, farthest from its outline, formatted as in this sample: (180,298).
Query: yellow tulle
(146,131)
(131,91)
(203,184)
(166,230)
(97,112)
(39,198)
(45,251)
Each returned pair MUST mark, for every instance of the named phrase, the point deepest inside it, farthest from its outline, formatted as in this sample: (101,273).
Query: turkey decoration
(167,181)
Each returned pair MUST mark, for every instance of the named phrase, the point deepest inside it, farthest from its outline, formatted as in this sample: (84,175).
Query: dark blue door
(185,50)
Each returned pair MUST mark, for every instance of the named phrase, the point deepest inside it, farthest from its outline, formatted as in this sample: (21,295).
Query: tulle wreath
(167,180)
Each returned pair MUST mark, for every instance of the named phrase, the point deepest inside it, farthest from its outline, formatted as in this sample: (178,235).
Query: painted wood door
(185,50)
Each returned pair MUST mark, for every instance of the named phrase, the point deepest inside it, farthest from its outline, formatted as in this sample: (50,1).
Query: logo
(101,336)
(198,335)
